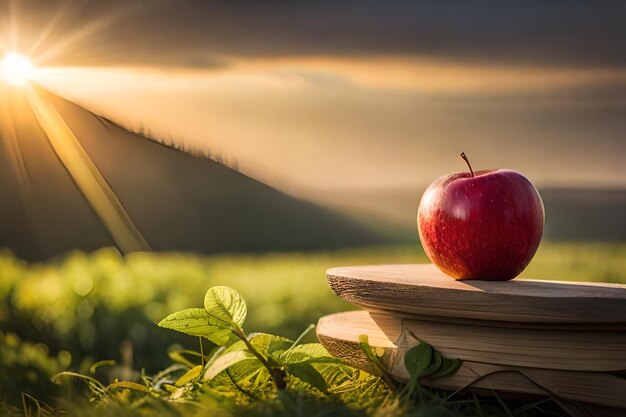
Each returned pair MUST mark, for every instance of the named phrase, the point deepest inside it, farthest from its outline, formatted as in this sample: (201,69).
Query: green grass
(87,307)
(594,262)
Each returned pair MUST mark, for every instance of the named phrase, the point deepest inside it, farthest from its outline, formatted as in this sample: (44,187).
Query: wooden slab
(425,290)
(563,349)
(340,334)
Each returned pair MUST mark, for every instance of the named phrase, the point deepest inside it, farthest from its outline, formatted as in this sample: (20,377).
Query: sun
(16,69)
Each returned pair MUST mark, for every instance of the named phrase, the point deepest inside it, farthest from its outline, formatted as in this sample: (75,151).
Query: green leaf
(170,388)
(245,371)
(448,367)
(335,374)
(435,363)
(226,307)
(265,343)
(307,373)
(167,374)
(233,347)
(191,375)
(269,344)
(227,360)
(196,322)
(418,359)
(369,352)
(306,353)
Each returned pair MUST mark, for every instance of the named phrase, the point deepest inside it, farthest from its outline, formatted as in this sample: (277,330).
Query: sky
(350,95)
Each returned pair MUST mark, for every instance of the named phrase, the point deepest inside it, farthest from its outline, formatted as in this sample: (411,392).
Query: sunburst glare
(16,69)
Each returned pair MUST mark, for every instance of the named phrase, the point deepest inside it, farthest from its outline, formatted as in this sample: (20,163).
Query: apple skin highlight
(487,226)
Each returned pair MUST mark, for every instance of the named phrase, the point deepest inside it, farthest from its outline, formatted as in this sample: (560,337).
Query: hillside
(176,201)
(585,214)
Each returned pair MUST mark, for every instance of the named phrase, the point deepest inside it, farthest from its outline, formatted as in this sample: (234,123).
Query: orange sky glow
(321,123)
(347,119)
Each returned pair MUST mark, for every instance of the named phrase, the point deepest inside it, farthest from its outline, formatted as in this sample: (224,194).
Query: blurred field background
(81,308)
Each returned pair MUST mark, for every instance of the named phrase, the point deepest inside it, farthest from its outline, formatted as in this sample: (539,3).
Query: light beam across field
(17,71)
(86,175)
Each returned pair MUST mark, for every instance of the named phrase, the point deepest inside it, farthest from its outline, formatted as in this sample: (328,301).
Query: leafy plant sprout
(221,321)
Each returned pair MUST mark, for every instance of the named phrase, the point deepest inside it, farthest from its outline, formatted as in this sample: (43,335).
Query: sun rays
(86,175)
(70,31)
(54,43)
(16,69)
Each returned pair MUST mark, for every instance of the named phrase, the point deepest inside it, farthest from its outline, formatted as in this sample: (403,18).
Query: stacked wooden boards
(567,340)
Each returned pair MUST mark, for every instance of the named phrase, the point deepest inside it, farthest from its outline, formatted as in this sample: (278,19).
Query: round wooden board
(425,290)
(340,332)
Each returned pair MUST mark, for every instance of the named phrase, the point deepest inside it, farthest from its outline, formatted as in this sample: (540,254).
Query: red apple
(484,225)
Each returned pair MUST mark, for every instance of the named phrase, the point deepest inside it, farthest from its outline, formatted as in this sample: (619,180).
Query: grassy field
(68,313)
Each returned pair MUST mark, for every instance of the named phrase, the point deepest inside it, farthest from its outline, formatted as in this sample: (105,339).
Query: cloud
(434,77)
(199,33)
(302,129)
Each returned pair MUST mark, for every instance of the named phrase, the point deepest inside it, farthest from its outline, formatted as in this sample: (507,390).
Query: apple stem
(468,163)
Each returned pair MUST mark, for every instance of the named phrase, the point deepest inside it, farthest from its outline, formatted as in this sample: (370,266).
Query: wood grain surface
(425,290)
(564,349)
(340,334)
